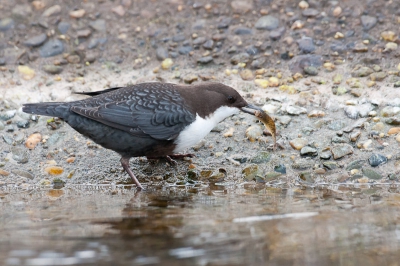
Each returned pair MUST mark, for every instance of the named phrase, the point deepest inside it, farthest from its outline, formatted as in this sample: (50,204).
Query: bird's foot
(181,156)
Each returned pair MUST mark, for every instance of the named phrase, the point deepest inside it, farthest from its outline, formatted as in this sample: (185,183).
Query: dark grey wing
(158,113)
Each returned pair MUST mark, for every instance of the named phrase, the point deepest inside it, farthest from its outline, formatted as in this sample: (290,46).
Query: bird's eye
(231,99)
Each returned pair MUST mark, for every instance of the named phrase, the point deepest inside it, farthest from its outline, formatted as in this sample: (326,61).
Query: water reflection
(220,224)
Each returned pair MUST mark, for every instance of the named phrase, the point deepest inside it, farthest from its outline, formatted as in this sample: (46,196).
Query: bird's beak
(250,109)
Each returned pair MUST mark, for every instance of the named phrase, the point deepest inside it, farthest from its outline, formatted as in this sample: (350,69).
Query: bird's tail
(57,109)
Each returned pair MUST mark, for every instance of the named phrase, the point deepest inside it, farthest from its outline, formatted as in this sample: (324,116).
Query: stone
(205,60)
(6,24)
(298,143)
(254,132)
(36,40)
(267,23)
(377,159)
(340,151)
(51,48)
(51,11)
(261,157)
(98,25)
(368,22)
(250,172)
(52,69)
(371,174)
(308,151)
(306,45)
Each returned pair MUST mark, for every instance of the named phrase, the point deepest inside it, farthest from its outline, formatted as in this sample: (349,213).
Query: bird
(153,119)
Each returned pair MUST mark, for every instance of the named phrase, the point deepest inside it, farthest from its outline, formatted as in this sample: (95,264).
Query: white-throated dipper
(156,120)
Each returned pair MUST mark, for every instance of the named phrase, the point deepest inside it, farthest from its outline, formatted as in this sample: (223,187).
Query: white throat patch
(196,131)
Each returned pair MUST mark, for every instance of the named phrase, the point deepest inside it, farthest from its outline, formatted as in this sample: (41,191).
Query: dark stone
(224,22)
(377,159)
(161,53)
(63,27)
(298,63)
(93,43)
(277,33)
(208,45)
(51,48)
(368,22)
(23,123)
(306,45)
(252,50)
(310,12)
(281,168)
(242,31)
(199,41)
(36,40)
(185,49)
(178,38)
(205,60)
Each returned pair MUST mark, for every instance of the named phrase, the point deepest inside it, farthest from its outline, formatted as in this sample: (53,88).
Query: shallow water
(200,225)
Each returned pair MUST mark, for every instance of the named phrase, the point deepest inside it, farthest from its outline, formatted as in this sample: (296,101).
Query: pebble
(63,27)
(51,48)
(26,72)
(357,164)
(54,170)
(229,133)
(98,25)
(53,10)
(205,60)
(298,143)
(273,82)
(281,168)
(240,58)
(389,111)
(21,12)
(393,121)
(364,145)
(389,36)
(371,174)
(52,69)
(302,164)
(295,110)
(241,6)
(79,13)
(22,123)
(246,74)
(254,132)
(261,157)
(184,50)
(308,151)
(167,63)
(330,165)
(277,33)
(33,140)
(36,40)
(6,24)
(361,72)
(93,43)
(306,45)
(250,172)
(4,172)
(263,83)
(355,112)
(368,22)
(340,151)
(190,78)
(377,159)
(242,31)
(310,12)
(119,10)
(355,135)
(22,173)
(378,76)
(208,45)
(325,155)
(19,154)
(310,70)
(298,63)
(267,23)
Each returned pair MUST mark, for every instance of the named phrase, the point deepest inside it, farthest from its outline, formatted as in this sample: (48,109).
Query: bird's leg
(125,164)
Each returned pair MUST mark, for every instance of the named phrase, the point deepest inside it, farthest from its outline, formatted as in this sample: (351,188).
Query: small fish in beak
(264,118)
